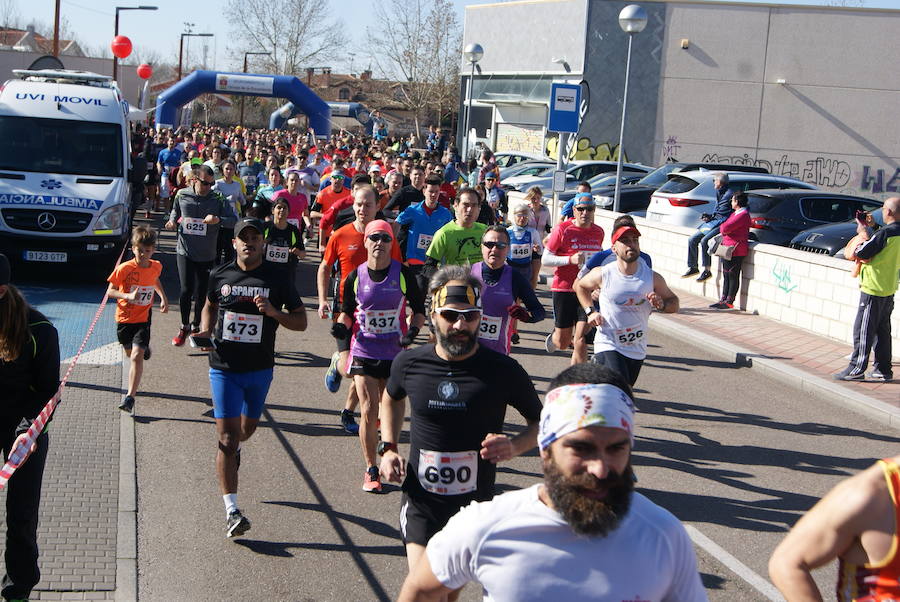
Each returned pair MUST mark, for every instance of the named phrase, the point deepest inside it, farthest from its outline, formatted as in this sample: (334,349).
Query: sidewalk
(793,355)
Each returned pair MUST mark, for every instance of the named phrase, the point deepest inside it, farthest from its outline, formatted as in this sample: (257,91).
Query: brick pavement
(804,354)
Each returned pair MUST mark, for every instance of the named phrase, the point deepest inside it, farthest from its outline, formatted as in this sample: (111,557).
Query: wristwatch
(385,446)
(588,310)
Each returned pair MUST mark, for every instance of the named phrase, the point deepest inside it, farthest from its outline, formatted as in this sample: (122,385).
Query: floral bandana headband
(574,407)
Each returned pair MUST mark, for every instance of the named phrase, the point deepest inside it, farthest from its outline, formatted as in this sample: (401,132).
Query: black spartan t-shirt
(244,338)
(453,406)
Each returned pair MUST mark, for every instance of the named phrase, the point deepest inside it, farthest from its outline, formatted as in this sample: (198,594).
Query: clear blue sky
(92,20)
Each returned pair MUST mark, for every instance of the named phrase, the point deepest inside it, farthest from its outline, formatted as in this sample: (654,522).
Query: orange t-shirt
(129,276)
(327,197)
(346,245)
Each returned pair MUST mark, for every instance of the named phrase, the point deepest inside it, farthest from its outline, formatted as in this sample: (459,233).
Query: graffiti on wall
(782,274)
(670,150)
(583,150)
(821,171)
(874,180)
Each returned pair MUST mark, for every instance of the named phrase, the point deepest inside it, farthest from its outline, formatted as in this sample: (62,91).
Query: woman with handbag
(734,247)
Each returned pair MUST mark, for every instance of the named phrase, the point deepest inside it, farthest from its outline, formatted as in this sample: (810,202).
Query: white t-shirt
(519,549)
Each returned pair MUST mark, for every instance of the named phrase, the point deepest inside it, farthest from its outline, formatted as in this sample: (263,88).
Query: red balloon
(144,71)
(121,46)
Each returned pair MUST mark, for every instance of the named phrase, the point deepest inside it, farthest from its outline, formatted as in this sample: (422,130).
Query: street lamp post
(473,53)
(181,47)
(246,54)
(116,32)
(632,20)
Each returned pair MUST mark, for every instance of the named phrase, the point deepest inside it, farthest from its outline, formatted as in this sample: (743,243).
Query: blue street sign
(565,100)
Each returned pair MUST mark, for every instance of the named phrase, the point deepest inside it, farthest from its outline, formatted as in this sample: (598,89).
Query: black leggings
(194,279)
(731,278)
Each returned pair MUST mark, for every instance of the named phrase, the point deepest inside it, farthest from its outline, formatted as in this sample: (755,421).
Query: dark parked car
(776,216)
(636,197)
(831,239)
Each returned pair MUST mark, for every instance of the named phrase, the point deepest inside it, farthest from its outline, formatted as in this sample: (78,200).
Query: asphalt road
(735,456)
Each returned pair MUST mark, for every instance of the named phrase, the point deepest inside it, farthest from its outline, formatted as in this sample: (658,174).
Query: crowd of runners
(425,269)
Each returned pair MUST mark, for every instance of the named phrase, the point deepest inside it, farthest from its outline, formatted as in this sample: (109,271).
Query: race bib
(242,328)
(249,181)
(424,241)
(628,336)
(380,321)
(520,251)
(144,295)
(490,326)
(193,226)
(448,473)
(277,254)
(295,221)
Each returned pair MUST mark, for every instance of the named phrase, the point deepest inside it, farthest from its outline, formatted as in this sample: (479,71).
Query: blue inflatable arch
(338,109)
(244,84)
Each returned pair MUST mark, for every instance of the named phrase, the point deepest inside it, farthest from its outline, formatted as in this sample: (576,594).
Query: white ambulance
(64,161)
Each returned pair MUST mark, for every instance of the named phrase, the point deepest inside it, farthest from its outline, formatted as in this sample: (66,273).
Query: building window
(344,94)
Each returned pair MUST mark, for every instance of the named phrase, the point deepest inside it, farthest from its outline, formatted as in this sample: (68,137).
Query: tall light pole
(246,54)
(472,53)
(181,47)
(632,20)
(116,32)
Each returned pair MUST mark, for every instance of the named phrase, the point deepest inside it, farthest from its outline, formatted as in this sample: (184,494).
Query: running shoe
(847,374)
(178,339)
(127,404)
(333,375)
(514,339)
(549,345)
(880,376)
(349,422)
(147,353)
(372,480)
(237,524)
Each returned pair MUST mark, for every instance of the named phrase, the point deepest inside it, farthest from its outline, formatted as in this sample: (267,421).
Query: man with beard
(629,291)
(583,534)
(458,393)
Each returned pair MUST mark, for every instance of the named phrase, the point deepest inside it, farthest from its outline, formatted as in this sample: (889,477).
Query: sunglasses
(491,244)
(207,183)
(452,315)
(584,209)
(385,238)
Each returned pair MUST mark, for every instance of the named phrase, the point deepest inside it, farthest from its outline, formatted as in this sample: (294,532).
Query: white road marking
(739,568)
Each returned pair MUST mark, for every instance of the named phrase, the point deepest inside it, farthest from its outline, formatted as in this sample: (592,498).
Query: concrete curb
(810,383)
(126,525)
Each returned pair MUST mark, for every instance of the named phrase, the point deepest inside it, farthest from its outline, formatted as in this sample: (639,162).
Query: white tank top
(625,310)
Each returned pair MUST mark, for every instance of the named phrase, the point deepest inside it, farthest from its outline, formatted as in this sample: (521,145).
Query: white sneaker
(549,345)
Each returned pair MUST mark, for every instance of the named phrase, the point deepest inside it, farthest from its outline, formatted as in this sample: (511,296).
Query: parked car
(525,168)
(830,239)
(601,181)
(576,172)
(636,197)
(686,196)
(508,159)
(776,216)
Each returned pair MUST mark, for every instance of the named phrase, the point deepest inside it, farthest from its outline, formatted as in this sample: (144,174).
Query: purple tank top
(493,332)
(380,318)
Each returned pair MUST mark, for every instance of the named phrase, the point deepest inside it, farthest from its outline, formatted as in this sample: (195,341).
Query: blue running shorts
(239,393)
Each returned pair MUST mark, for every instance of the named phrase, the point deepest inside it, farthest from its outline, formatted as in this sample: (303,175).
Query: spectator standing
(877,285)
(735,233)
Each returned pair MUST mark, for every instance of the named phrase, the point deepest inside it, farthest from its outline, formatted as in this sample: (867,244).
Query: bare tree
(10,17)
(417,42)
(296,32)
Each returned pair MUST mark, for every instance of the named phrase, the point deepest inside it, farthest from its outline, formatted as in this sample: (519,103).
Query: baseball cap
(5,270)
(248,222)
(375,168)
(623,231)
(336,175)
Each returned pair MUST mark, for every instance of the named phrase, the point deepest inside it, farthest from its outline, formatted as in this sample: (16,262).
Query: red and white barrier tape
(37,427)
